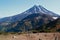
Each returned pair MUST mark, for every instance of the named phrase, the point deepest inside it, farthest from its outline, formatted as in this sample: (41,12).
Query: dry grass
(31,36)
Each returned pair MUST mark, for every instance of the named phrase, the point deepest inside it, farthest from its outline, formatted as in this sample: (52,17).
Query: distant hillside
(34,23)
(53,26)
(35,19)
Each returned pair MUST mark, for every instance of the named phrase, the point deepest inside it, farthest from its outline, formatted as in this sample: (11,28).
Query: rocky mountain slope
(35,18)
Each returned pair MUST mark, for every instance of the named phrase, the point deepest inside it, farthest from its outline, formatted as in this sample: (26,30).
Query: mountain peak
(35,9)
(40,9)
(35,5)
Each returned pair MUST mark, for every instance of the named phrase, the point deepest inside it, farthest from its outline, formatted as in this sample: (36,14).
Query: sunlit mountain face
(35,17)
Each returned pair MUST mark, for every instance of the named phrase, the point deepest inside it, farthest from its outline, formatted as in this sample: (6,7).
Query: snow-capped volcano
(32,10)
(40,9)
(34,18)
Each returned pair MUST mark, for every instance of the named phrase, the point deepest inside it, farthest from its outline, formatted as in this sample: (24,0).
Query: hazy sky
(13,7)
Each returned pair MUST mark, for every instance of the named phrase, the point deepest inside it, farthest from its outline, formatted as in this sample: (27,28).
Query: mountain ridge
(35,17)
(34,9)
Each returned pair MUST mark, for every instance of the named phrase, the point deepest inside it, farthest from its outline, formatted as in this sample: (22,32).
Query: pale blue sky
(13,7)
